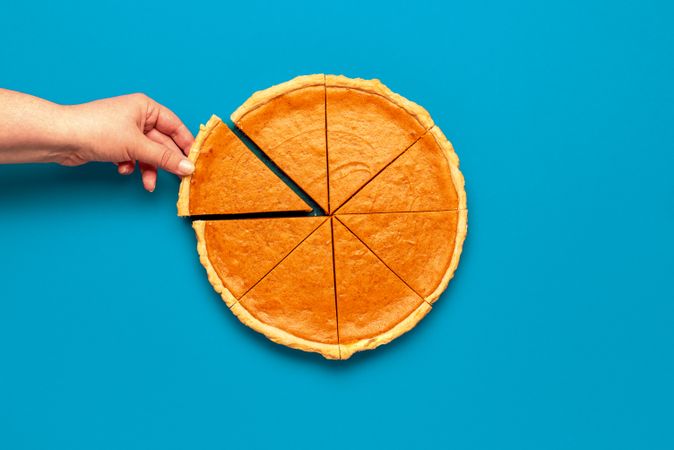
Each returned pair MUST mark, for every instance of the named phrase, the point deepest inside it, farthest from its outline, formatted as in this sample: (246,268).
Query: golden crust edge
(375,86)
(453,160)
(183,203)
(462,222)
(328,351)
(263,96)
(213,278)
(461,230)
(402,327)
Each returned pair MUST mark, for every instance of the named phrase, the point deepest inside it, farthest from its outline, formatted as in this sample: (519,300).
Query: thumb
(161,156)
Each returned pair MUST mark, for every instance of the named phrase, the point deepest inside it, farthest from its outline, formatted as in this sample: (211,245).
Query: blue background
(556,333)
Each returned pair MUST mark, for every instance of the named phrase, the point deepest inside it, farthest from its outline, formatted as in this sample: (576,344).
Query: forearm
(33,129)
(124,130)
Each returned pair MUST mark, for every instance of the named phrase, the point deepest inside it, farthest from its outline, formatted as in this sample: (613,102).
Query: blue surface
(556,332)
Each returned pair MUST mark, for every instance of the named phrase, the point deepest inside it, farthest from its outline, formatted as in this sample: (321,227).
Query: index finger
(169,124)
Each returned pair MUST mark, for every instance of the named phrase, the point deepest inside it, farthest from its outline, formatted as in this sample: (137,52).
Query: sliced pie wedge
(422,248)
(294,304)
(238,253)
(368,126)
(374,305)
(425,177)
(287,122)
(230,179)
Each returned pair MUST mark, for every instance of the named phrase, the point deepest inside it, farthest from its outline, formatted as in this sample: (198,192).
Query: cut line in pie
(288,122)
(402,240)
(425,177)
(229,179)
(367,127)
(387,239)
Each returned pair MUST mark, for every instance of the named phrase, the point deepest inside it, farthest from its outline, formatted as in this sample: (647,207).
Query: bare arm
(121,130)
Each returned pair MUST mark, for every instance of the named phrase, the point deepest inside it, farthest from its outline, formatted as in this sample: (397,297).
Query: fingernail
(186,167)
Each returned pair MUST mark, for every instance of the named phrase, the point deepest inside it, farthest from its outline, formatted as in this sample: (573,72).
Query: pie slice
(368,126)
(238,253)
(294,304)
(287,122)
(425,177)
(422,248)
(230,179)
(374,305)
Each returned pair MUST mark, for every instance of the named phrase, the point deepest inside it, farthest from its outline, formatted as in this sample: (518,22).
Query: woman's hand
(122,130)
(127,129)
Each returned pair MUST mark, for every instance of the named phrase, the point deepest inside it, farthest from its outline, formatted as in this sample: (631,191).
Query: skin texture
(122,130)
(297,297)
(243,251)
(290,128)
(230,179)
(418,247)
(366,131)
(420,179)
(371,300)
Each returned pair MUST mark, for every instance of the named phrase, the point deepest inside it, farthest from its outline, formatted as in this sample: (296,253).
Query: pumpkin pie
(422,248)
(294,304)
(229,179)
(384,175)
(425,177)
(287,122)
(367,126)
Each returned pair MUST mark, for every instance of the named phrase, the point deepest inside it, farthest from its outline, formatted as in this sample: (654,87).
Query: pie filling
(389,189)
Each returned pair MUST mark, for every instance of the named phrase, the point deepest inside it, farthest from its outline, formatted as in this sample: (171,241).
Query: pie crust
(262,97)
(414,310)
(409,322)
(213,278)
(184,190)
(462,229)
(374,86)
(453,158)
(274,334)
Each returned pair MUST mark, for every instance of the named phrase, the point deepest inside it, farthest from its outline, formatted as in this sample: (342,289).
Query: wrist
(67,140)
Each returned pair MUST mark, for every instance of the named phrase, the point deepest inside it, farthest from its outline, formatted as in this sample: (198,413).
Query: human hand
(127,129)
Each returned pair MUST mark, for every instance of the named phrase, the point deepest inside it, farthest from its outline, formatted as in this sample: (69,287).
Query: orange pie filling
(375,163)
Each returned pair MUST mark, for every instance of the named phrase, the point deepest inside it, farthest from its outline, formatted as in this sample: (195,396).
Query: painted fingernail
(186,167)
